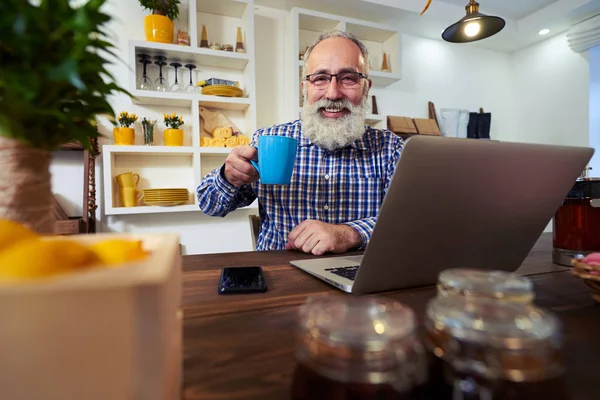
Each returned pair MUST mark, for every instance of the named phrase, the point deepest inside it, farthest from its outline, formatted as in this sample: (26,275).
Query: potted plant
(158,26)
(173,135)
(124,134)
(53,84)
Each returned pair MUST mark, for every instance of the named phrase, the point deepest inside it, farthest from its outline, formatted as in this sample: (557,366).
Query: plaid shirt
(345,186)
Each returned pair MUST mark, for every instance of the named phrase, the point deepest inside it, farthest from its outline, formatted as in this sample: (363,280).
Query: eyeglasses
(348,79)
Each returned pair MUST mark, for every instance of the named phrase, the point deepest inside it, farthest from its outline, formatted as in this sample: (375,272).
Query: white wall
(451,76)
(551,86)
(534,95)
(594,57)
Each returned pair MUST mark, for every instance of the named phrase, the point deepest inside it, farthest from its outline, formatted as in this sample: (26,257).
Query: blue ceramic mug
(276,158)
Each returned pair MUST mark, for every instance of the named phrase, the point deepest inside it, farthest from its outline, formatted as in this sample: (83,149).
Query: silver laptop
(457,203)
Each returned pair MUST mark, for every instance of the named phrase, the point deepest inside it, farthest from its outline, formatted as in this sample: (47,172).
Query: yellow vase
(158,28)
(124,136)
(173,137)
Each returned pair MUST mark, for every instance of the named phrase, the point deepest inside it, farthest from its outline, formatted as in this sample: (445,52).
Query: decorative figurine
(204,38)
(239,42)
(384,65)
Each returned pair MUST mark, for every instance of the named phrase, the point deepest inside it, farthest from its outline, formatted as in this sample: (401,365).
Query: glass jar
(497,285)
(357,348)
(489,350)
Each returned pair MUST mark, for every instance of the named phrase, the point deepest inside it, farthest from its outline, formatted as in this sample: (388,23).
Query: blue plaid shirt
(345,186)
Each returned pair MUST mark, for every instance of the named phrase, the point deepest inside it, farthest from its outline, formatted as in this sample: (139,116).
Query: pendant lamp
(474,26)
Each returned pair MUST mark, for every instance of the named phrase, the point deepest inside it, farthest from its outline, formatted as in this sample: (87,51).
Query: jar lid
(496,324)
(488,284)
(366,323)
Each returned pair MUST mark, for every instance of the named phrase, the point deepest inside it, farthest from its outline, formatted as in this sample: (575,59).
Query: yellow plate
(222,90)
(165,190)
(165,203)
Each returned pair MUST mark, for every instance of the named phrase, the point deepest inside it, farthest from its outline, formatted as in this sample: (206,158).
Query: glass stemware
(145,83)
(191,88)
(161,83)
(176,86)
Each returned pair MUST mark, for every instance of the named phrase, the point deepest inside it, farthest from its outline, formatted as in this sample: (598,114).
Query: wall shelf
(192,55)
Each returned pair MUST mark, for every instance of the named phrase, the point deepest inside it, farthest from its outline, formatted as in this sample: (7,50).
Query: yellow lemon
(119,251)
(12,232)
(39,258)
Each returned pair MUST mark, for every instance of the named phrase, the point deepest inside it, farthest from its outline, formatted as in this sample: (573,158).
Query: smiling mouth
(333,112)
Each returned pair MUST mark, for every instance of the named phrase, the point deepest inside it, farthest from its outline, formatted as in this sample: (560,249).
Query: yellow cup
(124,136)
(128,180)
(130,197)
(173,137)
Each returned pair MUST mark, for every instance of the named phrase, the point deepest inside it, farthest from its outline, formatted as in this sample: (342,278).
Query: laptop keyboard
(346,272)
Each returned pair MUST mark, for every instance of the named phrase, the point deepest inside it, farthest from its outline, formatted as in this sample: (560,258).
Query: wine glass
(191,88)
(145,83)
(161,83)
(176,87)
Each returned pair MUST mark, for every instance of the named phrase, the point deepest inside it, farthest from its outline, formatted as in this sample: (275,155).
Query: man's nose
(333,90)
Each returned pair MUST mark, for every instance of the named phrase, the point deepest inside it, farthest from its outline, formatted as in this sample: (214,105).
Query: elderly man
(342,171)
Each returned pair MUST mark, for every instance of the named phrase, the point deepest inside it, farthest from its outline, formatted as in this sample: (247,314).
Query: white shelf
(215,150)
(316,22)
(228,8)
(372,119)
(370,31)
(225,103)
(150,209)
(190,55)
(152,98)
(139,149)
(175,99)
(383,78)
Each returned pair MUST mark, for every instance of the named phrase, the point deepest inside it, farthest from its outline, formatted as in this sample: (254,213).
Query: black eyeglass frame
(359,74)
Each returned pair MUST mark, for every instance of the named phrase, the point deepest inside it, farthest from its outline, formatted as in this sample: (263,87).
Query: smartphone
(242,280)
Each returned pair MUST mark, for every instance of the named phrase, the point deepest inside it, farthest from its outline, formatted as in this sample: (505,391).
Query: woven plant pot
(25,187)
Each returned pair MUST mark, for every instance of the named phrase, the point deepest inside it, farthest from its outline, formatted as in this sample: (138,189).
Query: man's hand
(318,238)
(238,170)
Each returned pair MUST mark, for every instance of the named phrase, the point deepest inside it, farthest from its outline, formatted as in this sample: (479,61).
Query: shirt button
(326,208)
(326,176)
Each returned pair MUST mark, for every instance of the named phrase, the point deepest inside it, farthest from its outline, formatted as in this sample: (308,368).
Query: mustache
(327,103)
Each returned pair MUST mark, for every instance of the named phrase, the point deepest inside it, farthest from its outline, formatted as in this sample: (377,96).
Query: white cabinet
(183,167)
(307,25)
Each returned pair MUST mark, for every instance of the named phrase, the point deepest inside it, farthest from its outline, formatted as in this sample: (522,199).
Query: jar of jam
(482,349)
(358,348)
(491,284)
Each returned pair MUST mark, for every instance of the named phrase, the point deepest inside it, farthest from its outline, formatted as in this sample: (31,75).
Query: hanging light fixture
(474,26)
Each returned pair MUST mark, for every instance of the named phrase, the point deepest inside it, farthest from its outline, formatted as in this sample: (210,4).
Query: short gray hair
(337,34)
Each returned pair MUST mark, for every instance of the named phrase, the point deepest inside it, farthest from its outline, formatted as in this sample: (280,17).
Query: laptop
(457,203)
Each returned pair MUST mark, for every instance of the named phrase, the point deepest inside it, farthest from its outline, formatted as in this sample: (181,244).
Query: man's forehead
(337,53)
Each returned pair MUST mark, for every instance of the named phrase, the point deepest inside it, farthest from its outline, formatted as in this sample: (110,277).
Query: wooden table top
(241,346)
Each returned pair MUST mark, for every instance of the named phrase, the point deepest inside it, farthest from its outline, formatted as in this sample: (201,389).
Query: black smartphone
(242,280)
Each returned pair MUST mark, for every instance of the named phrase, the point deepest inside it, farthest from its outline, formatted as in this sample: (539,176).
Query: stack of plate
(222,90)
(166,197)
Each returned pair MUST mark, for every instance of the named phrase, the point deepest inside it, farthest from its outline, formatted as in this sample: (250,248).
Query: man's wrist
(352,237)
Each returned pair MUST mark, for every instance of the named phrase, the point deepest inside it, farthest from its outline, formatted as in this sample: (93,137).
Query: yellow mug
(124,136)
(130,197)
(173,137)
(128,179)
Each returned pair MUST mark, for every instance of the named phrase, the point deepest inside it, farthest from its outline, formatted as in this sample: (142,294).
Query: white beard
(333,133)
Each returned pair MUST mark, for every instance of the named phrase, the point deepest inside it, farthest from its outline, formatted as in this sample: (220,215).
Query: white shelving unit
(184,167)
(307,25)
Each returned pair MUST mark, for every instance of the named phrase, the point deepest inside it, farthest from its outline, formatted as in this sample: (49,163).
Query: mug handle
(140,194)
(136,179)
(254,163)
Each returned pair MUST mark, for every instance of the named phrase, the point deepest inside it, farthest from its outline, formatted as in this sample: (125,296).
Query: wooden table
(241,346)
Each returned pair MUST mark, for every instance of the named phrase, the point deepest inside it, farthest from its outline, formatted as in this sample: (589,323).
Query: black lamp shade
(489,26)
